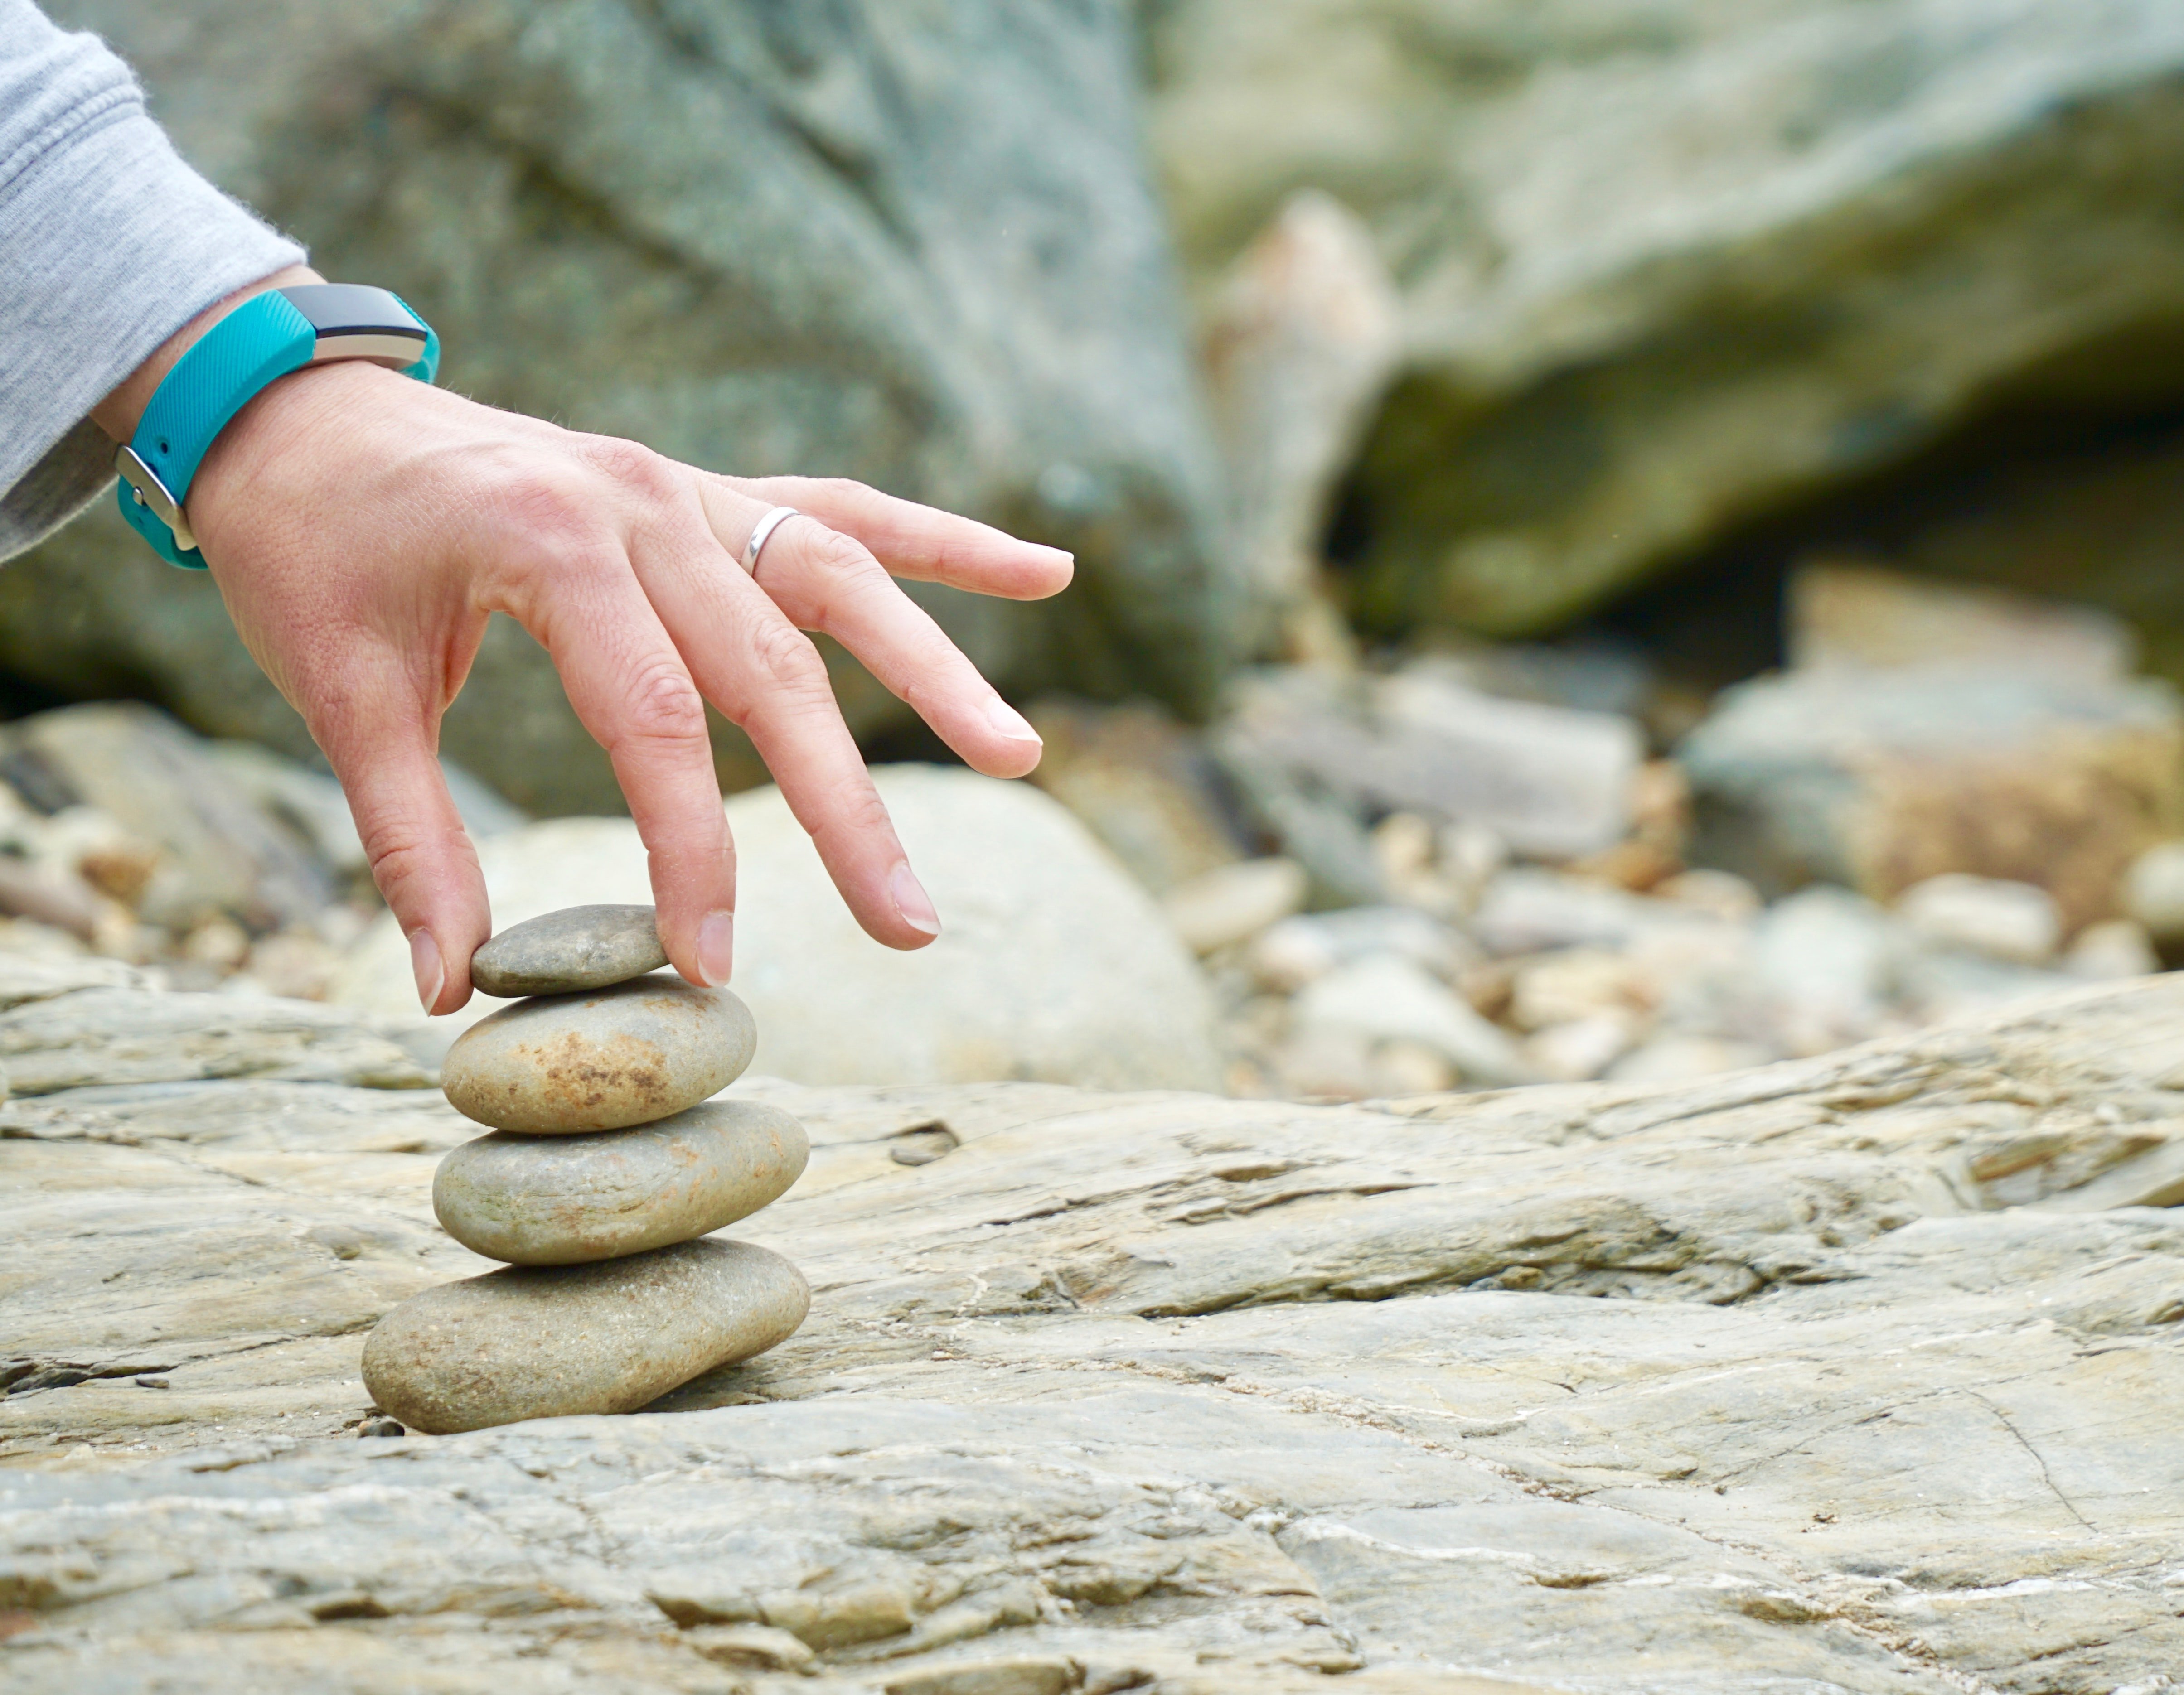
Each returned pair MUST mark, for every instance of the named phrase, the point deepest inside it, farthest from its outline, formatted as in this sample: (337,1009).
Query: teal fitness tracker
(267,337)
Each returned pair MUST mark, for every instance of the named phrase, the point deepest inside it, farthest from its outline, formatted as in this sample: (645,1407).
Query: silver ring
(767,525)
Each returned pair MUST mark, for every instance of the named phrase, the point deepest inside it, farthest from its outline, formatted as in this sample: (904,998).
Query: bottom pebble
(539,1341)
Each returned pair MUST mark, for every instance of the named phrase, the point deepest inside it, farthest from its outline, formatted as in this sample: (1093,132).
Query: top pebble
(577,948)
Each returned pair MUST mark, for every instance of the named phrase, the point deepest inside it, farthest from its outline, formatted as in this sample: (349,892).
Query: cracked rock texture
(1856,1373)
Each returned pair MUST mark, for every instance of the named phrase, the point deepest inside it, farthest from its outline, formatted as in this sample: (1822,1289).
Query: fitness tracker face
(351,320)
(266,337)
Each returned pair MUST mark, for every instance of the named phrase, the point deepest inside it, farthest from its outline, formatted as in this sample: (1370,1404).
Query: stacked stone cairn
(608,1167)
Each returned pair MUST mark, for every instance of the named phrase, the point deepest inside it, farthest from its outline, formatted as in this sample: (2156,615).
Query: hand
(362,527)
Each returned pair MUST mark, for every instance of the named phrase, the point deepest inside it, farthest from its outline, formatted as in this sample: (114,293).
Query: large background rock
(1667,267)
(914,245)
(1052,964)
(1855,1374)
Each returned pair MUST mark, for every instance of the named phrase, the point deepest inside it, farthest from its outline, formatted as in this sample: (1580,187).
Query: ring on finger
(771,520)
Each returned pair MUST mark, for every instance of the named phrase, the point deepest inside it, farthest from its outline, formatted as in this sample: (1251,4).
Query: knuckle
(844,556)
(787,662)
(855,813)
(633,465)
(556,517)
(400,857)
(663,704)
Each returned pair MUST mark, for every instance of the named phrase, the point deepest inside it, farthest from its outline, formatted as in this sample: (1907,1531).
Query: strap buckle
(152,493)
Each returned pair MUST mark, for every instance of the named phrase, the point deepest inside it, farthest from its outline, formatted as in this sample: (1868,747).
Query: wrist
(262,338)
(306,411)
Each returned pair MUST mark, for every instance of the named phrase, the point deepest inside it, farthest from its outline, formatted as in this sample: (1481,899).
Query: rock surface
(626,1054)
(577,947)
(918,247)
(1665,266)
(1850,1374)
(539,1341)
(566,1199)
(1038,927)
(67,1035)
(1854,1373)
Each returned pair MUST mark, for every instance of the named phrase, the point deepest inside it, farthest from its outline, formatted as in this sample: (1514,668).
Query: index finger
(920,542)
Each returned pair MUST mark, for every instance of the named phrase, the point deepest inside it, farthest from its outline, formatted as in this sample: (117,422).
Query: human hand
(362,527)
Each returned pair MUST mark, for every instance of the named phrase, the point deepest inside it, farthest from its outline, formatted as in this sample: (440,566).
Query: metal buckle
(152,493)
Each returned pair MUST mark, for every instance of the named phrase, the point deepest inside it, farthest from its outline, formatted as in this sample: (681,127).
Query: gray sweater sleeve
(109,244)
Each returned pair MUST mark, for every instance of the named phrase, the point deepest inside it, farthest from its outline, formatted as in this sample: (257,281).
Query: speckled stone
(565,1200)
(563,952)
(623,1055)
(541,1342)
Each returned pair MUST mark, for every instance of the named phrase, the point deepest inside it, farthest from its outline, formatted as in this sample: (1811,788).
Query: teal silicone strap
(263,339)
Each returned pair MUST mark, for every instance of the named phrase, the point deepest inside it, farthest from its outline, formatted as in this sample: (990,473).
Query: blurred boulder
(1881,780)
(218,856)
(1140,783)
(1528,909)
(914,245)
(1846,614)
(2099,522)
(1303,334)
(1051,965)
(312,804)
(1546,780)
(1668,266)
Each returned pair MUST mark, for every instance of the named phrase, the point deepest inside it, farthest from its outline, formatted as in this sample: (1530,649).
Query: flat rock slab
(577,948)
(563,1200)
(1855,1373)
(626,1055)
(119,1034)
(552,1342)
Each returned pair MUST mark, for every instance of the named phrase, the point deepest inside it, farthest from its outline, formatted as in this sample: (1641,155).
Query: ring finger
(822,580)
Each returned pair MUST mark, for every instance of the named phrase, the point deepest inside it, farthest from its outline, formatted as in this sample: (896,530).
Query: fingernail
(912,901)
(1010,722)
(425,961)
(716,947)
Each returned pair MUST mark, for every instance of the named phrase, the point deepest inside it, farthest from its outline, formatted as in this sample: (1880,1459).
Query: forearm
(109,246)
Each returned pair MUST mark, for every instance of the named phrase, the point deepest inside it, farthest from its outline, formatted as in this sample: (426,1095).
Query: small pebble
(562,952)
(565,1200)
(381,1426)
(1232,903)
(601,1060)
(540,1342)
(153,1383)
(921,1144)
